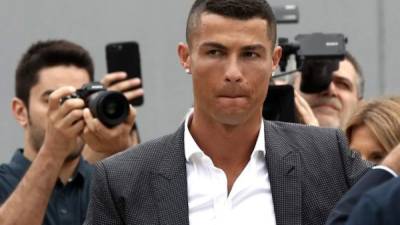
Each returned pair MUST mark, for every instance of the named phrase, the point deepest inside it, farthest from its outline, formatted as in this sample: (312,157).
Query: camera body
(110,107)
(317,56)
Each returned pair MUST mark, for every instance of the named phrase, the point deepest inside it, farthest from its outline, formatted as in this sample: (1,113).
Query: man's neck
(225,144)
(229,147)
(67,169)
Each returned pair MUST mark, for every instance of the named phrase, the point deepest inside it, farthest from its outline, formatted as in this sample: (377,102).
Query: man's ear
(276,57)
(20,111)
(184,57)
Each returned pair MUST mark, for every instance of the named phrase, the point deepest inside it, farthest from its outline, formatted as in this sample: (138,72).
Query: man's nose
(233,72)
(331,90)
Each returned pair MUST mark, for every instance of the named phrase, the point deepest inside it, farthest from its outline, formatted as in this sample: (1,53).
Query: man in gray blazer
(225,164)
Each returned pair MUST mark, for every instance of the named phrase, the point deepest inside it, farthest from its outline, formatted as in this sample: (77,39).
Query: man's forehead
(208,18)
(51,78)
(346,71)
(214,26)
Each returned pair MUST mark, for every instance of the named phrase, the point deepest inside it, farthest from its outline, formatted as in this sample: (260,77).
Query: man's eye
(250,54)
(214,52)
(343,85)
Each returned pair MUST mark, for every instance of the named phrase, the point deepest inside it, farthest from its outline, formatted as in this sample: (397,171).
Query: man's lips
(231,96)
(327,106)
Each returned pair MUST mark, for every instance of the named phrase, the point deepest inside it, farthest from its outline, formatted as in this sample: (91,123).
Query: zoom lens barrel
(110,107)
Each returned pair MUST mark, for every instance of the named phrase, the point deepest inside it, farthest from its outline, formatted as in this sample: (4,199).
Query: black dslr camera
(317,57)
(110,107)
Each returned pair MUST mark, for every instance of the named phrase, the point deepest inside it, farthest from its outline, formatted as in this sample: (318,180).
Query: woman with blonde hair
(374,129)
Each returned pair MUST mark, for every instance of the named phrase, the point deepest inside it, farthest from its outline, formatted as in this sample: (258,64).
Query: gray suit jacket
(309,168)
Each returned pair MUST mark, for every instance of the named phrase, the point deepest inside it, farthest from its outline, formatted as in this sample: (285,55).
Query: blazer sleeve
(353,165)
(102,208)
(341,213)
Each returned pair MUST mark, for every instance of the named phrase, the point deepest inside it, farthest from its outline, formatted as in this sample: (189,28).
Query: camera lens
(111,108)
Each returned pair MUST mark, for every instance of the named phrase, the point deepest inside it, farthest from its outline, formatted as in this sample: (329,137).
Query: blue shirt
(68,203)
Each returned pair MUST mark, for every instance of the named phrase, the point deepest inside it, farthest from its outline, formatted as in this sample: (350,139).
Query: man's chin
(74,155)
(325,109)
(232,118)
(328,121)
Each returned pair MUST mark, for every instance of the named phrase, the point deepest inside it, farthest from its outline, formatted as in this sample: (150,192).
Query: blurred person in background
(374,128)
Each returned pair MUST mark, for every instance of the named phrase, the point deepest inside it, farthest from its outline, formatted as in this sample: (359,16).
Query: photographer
(47,182)
(333,106)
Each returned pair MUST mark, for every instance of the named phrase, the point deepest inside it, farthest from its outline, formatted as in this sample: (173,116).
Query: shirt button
(63,211)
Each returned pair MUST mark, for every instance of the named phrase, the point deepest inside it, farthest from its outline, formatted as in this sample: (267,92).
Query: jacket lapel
(170,183)
(284,169)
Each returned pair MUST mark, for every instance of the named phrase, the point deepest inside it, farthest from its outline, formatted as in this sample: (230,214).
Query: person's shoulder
(144,156)
(148,150)
(137,165)
(300,130)
(308,140)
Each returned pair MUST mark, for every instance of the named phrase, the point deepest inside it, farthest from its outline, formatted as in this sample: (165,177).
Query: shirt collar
(84,169)
(260,143)
(192,149)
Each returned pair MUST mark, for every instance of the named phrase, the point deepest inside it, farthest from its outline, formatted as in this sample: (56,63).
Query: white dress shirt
(250,199)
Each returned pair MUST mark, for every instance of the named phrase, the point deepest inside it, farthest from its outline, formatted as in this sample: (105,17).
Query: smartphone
(125,57)
(279,104)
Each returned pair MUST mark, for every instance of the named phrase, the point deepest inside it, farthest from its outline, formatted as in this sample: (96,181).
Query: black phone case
(125,57)
(279,104)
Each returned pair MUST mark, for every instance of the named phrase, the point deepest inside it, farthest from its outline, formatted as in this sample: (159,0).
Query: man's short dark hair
(360,81)
(236,9)
(45,54)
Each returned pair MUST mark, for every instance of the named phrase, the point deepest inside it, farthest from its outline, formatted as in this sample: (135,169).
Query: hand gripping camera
(110,107)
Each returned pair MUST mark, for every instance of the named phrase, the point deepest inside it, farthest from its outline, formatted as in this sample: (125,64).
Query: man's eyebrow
(254,47)
(341,78)
(212,45)
(220,46)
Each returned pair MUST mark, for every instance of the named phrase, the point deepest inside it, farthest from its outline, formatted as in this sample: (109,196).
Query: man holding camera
(333,106)
(47,182)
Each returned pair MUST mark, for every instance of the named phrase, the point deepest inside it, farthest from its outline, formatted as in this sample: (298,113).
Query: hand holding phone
(118,82)
(279,104)
(125,57)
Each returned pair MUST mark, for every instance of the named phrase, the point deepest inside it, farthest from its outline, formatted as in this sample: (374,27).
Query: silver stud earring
(187,70)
